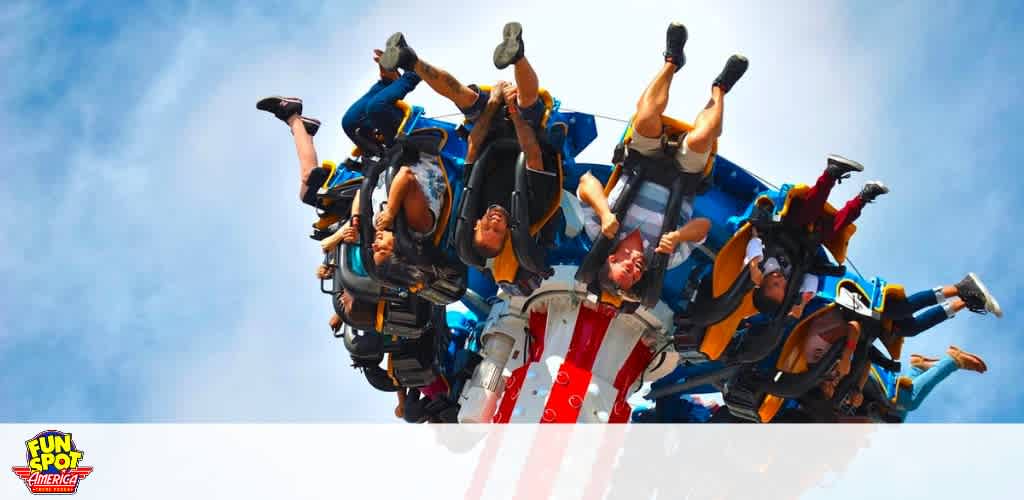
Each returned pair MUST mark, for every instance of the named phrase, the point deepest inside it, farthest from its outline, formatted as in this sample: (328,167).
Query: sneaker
(675,40)
(397,54)
(310,124)
(977,297)
(839,168)
(511,49)
(872,190)
(282,107)
(922,363)
(734,68)
(966,360)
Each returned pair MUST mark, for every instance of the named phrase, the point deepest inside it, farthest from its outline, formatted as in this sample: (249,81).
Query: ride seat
(663,170)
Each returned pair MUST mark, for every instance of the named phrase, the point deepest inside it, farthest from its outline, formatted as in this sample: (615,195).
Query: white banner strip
(593,462)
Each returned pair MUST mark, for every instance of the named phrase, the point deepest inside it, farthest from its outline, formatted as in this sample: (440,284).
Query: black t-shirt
(500,181)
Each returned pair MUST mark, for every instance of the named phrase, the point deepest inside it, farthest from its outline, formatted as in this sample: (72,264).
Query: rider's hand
(756,275)
(384,220)
(511,93)
(668,243)
(497,94)
(844,366)
(349,233)
(856,399)
(610,226)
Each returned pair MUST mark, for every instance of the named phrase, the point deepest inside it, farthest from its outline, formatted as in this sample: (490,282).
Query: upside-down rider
(481,108)
(372,114)
(910,316)
(771,275)
(639,233)
(908,391)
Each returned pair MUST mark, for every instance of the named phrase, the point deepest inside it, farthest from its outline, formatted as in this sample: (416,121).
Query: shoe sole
(392,52)
(982,367)
(740,62)
(510,45)
(854,166)
(272,103)
(311,123)
(681,27)
(991,304)
(682,48)
(885,189)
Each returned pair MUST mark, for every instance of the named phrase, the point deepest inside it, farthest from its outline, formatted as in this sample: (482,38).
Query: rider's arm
(354,212)
(527,140)
(482,126)
(591,192)
(755,253)
(695,230)
(808,289)
(399,189)
(852,336)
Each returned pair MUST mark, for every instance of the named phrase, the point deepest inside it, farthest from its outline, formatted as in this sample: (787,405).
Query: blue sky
(155,256)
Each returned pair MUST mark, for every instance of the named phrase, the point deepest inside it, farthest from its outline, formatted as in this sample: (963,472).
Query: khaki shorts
(689,161)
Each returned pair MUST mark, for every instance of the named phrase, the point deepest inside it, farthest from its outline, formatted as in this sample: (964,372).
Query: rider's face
(626,265)
(383,246)
(773,286)
(491,229)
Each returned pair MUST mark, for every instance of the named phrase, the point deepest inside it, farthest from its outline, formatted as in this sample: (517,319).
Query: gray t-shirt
(646,214)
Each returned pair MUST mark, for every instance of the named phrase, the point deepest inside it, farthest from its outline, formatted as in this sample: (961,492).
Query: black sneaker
(873,190)
(397,54)
(839,168)
(675,40)
(282,107)
(731,73)
(511,48)
(311,125)
(977,297)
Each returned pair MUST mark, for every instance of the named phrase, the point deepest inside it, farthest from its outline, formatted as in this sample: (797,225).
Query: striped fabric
(646,214)
(431,180)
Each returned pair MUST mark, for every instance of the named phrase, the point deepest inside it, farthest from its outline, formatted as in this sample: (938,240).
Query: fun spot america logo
(54,464)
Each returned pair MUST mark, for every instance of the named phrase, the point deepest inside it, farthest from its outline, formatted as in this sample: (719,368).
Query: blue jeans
(376,110)
(905,317)
(923,383)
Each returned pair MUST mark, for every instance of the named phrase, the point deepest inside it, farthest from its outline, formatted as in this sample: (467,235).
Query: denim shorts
(532,114)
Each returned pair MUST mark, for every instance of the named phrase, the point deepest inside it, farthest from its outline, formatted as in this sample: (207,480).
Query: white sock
(948,307)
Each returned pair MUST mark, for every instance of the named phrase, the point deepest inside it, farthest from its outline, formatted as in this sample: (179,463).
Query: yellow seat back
(791,360)
(838,243)
(893,343)
(728,266)
(326,221)
(505,265)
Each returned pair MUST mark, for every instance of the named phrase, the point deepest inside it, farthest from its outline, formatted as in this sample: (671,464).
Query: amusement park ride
(527,337)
